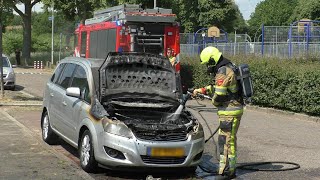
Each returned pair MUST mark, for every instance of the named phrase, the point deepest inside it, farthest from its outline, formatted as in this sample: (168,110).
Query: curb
(22,103)
(28,72)
(294,115)
(32,73)
(46,146)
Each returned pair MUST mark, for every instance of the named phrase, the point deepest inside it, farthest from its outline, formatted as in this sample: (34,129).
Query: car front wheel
(47,133)
(86,152)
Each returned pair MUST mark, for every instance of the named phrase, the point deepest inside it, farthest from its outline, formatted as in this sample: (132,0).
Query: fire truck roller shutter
(102,42)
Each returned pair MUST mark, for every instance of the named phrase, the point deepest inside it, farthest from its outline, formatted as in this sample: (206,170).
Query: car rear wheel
(47,133)
(86,153)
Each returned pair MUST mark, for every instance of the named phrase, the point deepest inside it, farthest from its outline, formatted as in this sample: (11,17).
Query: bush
(284,84)
(193,74)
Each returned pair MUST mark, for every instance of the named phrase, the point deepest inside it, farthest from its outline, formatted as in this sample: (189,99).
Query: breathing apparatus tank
(244,80)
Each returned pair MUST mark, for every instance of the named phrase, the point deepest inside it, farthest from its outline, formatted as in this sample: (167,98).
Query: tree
(239,23)
(219,13)
(15,21)
(191,14)
(5,14)
(188,13)
(272,13)
(26,19)
(41,25)
(76,9)
(309,9)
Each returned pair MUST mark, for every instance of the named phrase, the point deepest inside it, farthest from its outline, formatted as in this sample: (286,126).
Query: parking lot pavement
(23,156)
(262,136)
(268,135)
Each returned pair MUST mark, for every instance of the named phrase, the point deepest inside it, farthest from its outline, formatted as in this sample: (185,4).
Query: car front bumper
(8,81)
(136,152)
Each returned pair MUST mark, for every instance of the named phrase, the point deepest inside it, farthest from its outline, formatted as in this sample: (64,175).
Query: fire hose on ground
(251,166)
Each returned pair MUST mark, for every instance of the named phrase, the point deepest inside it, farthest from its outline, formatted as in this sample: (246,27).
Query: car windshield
(5,62)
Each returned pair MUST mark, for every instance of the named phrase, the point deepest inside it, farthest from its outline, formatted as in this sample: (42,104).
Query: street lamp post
(52,31)
(235,42)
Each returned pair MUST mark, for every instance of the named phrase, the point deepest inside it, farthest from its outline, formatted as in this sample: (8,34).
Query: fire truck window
(102,44)
(111,40)
(93,48)
(83,44)
(75,43)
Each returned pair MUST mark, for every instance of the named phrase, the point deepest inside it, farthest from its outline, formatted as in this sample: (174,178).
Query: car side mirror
(73,92)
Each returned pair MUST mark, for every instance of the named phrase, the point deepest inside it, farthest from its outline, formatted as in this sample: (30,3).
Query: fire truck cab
(128,28)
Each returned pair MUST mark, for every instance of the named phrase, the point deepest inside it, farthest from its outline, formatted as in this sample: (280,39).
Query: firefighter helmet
(210,55)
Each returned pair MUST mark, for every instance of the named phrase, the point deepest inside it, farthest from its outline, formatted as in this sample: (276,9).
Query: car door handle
(51,94)
(64,103)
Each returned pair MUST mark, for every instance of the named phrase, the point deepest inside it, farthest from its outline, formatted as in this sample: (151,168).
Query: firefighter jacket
(172,60)
(226,95)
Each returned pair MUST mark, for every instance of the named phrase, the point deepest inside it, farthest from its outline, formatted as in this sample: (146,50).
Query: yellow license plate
(166,152)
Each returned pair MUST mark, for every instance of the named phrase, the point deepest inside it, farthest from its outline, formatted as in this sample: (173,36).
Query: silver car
(9,77)
(121,112)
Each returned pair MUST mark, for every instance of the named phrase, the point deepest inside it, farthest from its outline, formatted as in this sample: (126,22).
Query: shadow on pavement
(19,88)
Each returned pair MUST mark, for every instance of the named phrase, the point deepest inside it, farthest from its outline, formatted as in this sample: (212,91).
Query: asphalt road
(262,136)
(32,80)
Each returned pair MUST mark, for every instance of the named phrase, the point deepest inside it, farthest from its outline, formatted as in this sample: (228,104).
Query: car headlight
(197,132)
(11,74)
(118,129)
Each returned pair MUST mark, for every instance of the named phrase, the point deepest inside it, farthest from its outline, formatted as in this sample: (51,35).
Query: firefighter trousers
(227,141)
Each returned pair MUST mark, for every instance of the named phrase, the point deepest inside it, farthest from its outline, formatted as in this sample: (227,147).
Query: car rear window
(5,62)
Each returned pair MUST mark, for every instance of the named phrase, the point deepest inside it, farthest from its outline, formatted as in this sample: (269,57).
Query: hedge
(292,85)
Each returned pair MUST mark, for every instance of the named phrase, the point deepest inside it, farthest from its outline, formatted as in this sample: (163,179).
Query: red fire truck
(128,28)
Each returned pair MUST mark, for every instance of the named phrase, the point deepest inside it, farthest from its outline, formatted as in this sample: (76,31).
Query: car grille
(163,160)
(165,136)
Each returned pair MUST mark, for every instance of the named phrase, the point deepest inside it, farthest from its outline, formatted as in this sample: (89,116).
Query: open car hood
(138,79)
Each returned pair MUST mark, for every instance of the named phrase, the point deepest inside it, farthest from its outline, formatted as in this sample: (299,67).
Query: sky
(246,7)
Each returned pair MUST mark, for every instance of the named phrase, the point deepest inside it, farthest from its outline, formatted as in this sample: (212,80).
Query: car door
(51,95)
(74,107)
(62,124)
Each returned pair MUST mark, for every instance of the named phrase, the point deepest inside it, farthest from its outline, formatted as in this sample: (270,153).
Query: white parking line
(27,73)
(27,94)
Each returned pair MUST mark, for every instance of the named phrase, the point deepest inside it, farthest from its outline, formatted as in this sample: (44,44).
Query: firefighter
(171,56)
(229,101)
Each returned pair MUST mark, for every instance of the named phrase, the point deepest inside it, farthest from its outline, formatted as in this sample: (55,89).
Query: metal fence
(298,40)
(280,49)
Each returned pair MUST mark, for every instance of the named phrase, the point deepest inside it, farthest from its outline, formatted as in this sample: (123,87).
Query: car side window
(57,73)
(80,80)
(65,78)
